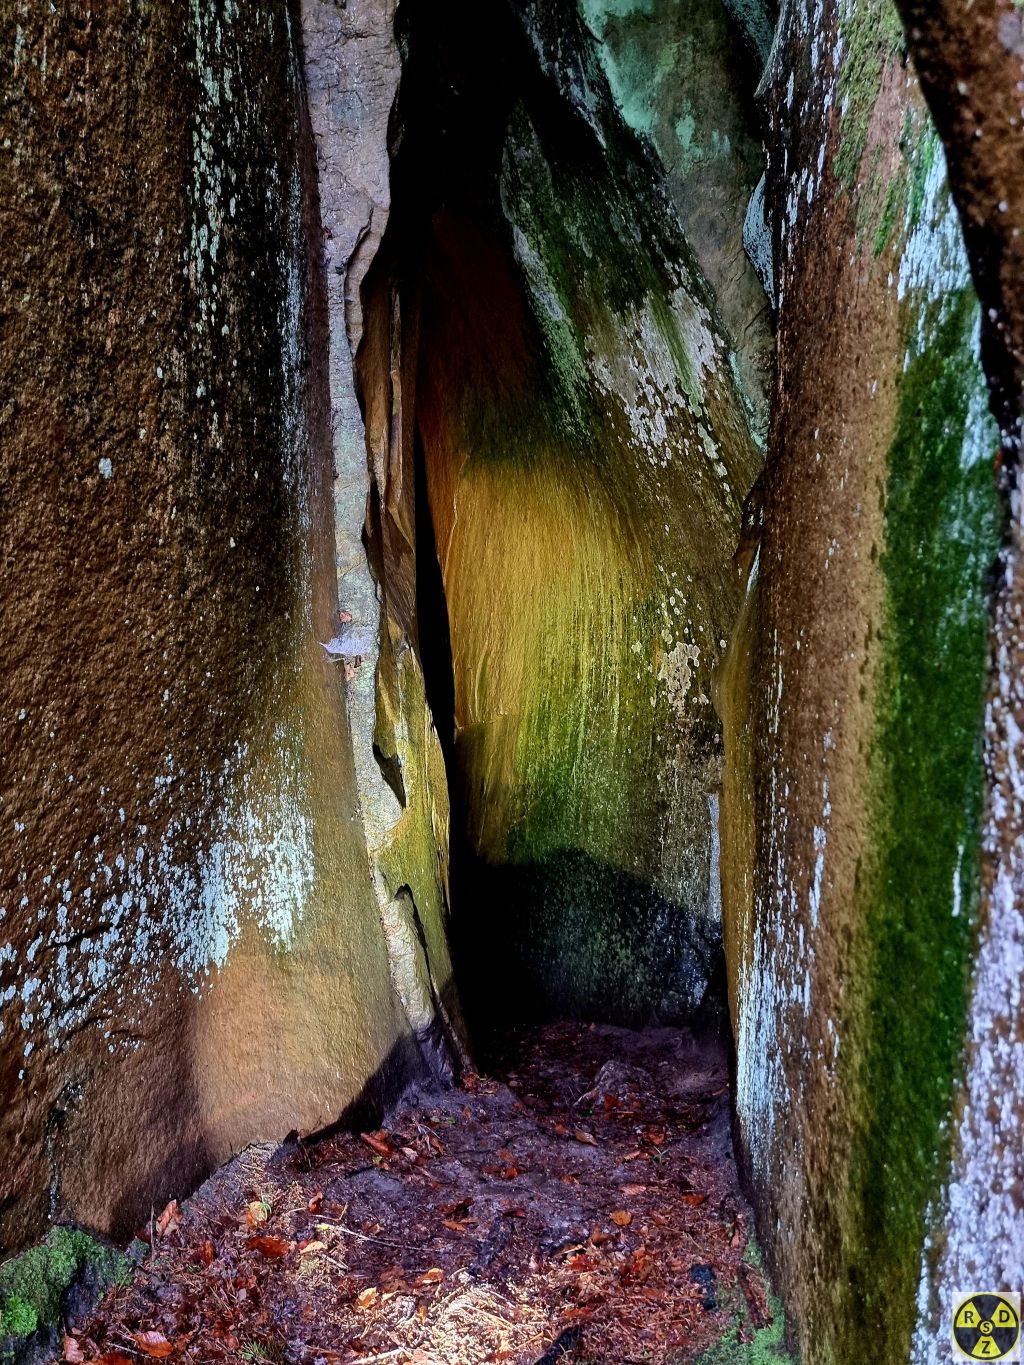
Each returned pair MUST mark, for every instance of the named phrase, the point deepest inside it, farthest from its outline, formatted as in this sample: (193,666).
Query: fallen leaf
(377,1143)
(561,1129)
(269,1246)
(657,1139)
(256,1213)
(115,1358)
(622,1218)
(581,1135)
(452,1226)
(694,1200)
(315,1202)
(207,1253)
(153,1344)
(72,1351)
(169,1219)
(312,1247)
(631,1191)
(458,1210)
(367,1298)
(637,1268)
(434,1276)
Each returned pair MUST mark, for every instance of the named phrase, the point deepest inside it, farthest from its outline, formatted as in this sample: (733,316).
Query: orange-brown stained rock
(191,954)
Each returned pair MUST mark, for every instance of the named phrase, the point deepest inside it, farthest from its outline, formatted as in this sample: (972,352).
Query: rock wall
(586,449)
(352,68)
(978,52)
(192,954)
(854,691)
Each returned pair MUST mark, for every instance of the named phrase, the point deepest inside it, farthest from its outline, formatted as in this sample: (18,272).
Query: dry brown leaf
(169,1219)
(631,1191)
(452,1226)
(315,1202)
(694,1200)
(367,1298)
(457,1210)
(434,1276)
(207,1253)
(153,1344)
(114,1358)
(378,1143)
(72,1351)
(311,1247)
(256,1213)
(581,1135)
(622,1218)
(269,1246)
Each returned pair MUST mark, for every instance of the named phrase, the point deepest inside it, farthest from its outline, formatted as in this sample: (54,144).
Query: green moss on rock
(766,1346)
(33,1285)
(873,35)
(942,536)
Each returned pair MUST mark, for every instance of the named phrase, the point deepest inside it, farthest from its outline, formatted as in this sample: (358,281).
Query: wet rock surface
(190,950)
(583,446)
(852,871)
(537,1215)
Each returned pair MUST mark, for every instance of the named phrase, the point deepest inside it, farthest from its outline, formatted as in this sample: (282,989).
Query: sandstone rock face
(585,449)
(854,692)
(684,76)
(352,70)
(978,51)
(192,953)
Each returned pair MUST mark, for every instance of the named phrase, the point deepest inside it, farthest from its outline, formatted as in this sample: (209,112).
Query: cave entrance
(582,450)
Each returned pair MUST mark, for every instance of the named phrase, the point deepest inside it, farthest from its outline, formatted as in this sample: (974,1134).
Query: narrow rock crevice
(563,502)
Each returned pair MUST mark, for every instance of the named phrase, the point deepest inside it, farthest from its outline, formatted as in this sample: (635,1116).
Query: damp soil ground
(581,1204)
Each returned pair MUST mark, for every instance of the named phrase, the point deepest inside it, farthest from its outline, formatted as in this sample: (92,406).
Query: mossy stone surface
(34,1284)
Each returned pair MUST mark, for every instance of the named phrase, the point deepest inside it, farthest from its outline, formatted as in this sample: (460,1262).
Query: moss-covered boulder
(48,1284)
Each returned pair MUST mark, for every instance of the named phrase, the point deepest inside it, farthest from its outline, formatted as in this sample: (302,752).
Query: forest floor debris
(583,1206)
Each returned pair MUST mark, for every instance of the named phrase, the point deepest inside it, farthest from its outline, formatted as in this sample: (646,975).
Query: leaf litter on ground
(484,1226)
